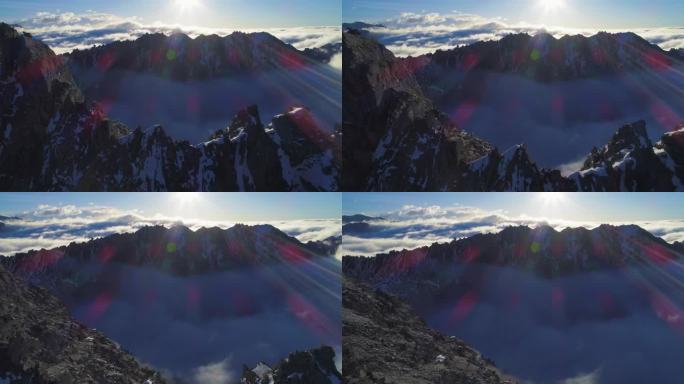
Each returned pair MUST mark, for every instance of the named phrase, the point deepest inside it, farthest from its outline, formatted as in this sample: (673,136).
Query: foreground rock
(385,342)
(310,367)
(41,344)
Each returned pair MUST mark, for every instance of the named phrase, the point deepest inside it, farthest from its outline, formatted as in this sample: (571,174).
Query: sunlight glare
(552,198)
(187,5)
(551,5)
(184,199)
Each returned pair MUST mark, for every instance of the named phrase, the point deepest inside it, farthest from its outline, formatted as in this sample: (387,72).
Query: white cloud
(67,31)
(414,226)
(217,373)
(53,226)
(413,34)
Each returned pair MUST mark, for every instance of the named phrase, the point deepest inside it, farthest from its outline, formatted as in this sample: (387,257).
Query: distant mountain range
(541,250)
(385,341)
(397,140)
(183,58)
(177,250)
(53,139)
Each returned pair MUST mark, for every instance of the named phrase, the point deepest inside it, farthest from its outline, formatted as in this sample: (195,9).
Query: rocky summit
(309,367)
(53,139)
(40,343)
(396,140)
(384,341)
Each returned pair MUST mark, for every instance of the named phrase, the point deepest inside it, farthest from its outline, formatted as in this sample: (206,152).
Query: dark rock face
(176,250)
(323,54)
(182,58)
(545,58)
(310,367)
(53,140)
(395,140)
(542,250)
(40,343)
(384,341)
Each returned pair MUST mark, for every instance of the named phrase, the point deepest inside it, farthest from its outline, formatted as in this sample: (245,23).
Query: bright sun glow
(552,198)
(551,5)
(185,199)
(187,5)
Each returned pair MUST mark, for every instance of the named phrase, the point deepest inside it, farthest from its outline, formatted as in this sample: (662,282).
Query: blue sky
(204,206)
(208,13)
(597,207)
(572,14)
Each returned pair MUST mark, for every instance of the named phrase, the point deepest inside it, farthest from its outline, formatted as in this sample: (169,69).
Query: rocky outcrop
(52,139)
(384,341)
(309,367)
(394,138)
(40,343)
(323,54)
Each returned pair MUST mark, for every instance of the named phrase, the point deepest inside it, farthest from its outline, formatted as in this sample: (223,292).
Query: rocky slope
(395,140)
(384,341)
(40,343)
(309,367)
(177,250)
(182,58)
(541,250)
(52,139)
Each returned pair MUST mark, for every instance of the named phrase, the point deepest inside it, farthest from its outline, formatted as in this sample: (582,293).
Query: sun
(185,199)
(187,5)
(551,5)
(552,198)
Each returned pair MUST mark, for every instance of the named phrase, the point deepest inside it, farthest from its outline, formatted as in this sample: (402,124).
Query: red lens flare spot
(99,306)
(39,261)
(557,297)
(471,253)
(403,262)
(106,253)
(668,312)
(105,61)
(464,306)
(292,254)
(470,60)
(464,112)
(309,315)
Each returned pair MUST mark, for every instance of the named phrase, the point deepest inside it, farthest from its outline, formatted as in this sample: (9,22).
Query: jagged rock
(395,140)
(51,139)
(309,367)
(40,343)
(323,54)
(384,341)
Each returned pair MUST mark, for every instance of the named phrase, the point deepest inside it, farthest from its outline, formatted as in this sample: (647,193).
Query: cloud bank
(416,226)
(413,34)
(53,226)
(67,31)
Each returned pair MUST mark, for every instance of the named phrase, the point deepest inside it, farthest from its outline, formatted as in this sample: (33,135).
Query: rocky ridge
(384,341)
(541,250)
(316,366)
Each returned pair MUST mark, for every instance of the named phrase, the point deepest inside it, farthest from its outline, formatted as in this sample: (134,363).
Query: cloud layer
(52,226)
(416,226)
(413,34)
(67,31)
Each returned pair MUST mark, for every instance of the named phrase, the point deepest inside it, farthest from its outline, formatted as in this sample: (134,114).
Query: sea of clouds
(66,31)
(49,226)
(413,34)
(416,226)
